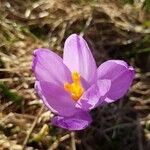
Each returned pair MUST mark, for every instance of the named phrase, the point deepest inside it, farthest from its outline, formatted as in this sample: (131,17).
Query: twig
(88,22)
(56,143)
(73,144)
(6,117)
(139,135)
(120,126)
(14,69)
(3,107)
(16,79)
(32,127)
(24,116)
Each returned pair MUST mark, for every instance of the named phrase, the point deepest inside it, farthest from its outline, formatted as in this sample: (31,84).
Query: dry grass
(111,29)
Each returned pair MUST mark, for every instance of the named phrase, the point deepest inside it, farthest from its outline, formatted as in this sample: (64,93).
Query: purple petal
(55,98)
(121,76)
(79,121)
(49,67)
(78,57)
(108,100)
(94,95)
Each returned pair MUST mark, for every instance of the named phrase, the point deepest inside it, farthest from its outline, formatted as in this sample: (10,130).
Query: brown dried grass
(107,25)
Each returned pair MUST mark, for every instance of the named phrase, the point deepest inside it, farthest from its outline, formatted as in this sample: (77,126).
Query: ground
(114,29)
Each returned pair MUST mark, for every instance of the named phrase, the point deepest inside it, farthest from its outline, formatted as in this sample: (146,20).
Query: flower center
(75,89)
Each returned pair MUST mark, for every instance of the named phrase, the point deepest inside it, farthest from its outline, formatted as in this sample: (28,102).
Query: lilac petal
(55,98)
(121,76)
(49,67)
(78,57)
(108,100)
(79,121)
(111,69)
(94,95)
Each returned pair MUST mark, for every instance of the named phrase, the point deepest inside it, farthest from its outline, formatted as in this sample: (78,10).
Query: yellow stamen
(74,88)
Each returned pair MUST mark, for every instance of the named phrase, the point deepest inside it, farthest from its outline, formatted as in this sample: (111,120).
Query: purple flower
(72,86)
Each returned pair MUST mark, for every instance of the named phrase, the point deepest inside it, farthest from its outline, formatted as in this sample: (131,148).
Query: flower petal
(55,98)
(78,57)
(94,95)
(79,121)
(49,67)
(121,76)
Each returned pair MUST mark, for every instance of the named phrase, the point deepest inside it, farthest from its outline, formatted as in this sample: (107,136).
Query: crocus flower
(72,86)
